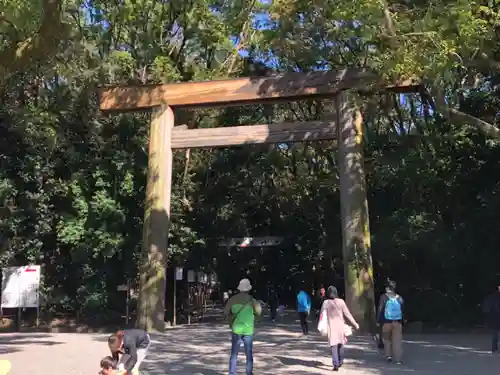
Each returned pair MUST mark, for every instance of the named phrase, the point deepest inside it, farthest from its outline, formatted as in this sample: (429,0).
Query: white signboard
(191,276)
(252,241)
(202,277)
(179,271)
(20,286)
(122,288)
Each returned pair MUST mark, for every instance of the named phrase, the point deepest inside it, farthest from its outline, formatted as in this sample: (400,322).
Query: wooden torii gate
(346,128)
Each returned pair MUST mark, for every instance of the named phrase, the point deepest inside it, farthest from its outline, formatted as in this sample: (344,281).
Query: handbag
(347,330)
(323,323)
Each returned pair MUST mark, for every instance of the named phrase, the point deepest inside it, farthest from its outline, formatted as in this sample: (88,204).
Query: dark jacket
(491,310)
(273,298)
(381,307)
(133,339)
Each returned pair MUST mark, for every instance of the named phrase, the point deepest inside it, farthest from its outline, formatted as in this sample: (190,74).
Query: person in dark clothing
(378,336)
(319,297)
(390,315)
(491,311)
(273,301)
(132,342)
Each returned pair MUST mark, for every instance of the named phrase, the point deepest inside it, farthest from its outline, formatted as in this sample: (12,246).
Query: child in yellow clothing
(5,366)
(110,367)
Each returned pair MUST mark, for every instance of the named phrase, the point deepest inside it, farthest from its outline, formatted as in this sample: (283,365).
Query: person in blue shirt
(303,308)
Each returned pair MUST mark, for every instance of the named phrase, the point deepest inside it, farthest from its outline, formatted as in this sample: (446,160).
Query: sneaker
(335,368)
(389,359)
(399,362)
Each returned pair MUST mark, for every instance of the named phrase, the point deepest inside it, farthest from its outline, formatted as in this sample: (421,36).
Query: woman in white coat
(336,309)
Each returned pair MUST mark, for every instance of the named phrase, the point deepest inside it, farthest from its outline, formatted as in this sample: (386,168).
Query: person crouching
(134,343)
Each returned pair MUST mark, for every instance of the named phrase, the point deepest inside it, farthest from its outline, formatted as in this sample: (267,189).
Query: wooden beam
(254,134)
(287,87)
(356,251)
(152,280)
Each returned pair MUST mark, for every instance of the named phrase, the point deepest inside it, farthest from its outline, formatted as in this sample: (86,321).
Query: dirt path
(203,349)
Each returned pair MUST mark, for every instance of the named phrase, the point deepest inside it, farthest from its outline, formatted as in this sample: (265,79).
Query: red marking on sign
(28,269)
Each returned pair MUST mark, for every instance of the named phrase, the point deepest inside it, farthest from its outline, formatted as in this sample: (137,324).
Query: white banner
(179,271)
(202,277)
(20,286)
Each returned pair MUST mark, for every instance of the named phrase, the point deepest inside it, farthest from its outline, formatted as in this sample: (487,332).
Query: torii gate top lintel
(239,91)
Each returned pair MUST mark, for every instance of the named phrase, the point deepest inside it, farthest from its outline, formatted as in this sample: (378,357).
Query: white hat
(244,285)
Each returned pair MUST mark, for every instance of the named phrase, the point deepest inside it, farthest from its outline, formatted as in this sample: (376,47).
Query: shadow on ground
(11,343)
(203,349)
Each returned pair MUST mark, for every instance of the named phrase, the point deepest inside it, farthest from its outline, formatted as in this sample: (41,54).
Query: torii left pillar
(356,251)
(153,277)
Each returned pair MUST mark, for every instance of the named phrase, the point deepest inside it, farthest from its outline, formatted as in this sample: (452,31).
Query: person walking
(132,344)
(273,302)
(336,309)
(491,311)
(391,317)
(303,308)
(320,297)
(241,309)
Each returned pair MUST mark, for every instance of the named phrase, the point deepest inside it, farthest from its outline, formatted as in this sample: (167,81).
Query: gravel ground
(203,349)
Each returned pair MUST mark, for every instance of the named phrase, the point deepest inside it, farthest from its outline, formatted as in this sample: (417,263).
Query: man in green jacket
(241,310)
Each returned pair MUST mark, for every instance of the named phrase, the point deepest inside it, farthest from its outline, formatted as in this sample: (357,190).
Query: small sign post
(125,288)
(179,273)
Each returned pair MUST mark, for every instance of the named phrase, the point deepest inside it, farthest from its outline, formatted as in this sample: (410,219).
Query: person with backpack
(491,311)
(391,317)
(241,310)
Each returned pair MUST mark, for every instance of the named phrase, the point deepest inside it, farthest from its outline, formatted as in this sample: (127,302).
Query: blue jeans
(338,355)
(494,339)
(235,348)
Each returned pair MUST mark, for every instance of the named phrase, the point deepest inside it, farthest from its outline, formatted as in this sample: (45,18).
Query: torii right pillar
(356,252)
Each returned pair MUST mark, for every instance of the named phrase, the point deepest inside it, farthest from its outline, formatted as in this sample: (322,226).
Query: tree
(23,45)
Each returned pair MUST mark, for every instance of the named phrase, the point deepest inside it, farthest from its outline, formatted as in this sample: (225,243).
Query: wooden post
(174,316)
(152,290)
(358,270)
